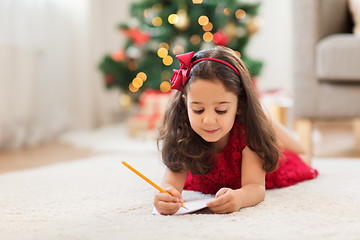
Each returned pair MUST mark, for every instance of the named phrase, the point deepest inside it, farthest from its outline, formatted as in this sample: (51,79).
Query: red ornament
(221,39)
(137,36)
(118,55)
(109,79)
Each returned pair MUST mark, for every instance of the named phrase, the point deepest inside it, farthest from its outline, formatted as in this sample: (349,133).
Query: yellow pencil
(148,180)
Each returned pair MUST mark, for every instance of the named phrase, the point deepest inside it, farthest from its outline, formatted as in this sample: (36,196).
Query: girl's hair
(183,149)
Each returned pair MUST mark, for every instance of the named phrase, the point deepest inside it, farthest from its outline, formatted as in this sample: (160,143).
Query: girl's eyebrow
(217,103)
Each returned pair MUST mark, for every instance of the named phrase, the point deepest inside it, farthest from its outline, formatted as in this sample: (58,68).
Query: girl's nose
(209,118)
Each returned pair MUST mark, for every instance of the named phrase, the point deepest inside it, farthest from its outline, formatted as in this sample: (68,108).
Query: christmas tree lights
(161,29)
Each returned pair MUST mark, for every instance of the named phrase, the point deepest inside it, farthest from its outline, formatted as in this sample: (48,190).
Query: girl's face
(211,110)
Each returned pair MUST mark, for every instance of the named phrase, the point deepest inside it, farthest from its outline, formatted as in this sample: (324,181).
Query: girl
(216,138)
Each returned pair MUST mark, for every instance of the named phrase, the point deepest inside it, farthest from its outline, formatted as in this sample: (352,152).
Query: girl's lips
(211,131)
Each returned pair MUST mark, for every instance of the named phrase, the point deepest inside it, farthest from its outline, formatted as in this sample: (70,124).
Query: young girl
(216,138)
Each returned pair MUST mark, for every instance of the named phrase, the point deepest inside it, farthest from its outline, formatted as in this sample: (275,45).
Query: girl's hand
(166,204)
(227,201)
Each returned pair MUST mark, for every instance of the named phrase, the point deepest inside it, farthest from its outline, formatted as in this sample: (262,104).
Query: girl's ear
(240,107)
(238,111)
(184,98)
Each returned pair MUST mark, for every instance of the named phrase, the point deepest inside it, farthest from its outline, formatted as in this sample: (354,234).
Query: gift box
(152,105)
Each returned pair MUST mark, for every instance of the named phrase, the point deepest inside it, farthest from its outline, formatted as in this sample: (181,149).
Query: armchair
(326,65)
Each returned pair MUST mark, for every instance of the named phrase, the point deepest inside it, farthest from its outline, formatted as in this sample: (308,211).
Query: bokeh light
(165,86)
(168,60)
(157,21)
(173,18)
(132,88)
(162,52)
(208,37)
(178,49)
(208,27)
(157,7)
(165,75)
(203,20)
(164,45)
(142,76)
(133,65)
(125,101)
(137,82)
(195,39)
(240,14)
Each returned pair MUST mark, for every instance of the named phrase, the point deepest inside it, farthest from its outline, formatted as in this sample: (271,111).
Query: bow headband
(181,76)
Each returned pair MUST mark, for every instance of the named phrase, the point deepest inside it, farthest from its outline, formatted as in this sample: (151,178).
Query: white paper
(192,206)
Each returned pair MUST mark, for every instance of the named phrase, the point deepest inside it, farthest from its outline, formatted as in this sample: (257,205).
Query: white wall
(273,44)
(112,12)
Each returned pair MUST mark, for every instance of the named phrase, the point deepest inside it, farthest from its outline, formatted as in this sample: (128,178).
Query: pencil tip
(182,204)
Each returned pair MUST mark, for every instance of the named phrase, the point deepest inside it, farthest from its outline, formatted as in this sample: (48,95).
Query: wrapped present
(152,105)
(277,102)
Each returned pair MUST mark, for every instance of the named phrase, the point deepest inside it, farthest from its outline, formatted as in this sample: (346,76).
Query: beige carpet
(98,198)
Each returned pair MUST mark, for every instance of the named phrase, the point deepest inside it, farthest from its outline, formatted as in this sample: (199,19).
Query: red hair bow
(180,77)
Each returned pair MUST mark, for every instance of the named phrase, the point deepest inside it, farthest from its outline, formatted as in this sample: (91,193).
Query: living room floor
(331,140)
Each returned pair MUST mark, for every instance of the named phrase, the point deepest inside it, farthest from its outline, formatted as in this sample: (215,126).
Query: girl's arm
(174,179)
(252,191)
(173,183)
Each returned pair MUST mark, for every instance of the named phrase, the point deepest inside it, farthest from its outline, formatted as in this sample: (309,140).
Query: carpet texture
(99,198)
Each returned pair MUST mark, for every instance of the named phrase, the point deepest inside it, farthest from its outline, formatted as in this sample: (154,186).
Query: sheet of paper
(192,206)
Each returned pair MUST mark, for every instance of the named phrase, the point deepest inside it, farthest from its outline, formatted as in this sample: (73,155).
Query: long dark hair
(183,149)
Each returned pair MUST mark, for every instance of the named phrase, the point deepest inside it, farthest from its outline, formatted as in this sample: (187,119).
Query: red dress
(227,170)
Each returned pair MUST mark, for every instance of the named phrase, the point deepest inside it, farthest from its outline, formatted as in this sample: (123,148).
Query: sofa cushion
(338,58)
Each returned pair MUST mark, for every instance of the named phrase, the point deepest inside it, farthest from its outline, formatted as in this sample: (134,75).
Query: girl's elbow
(262,192)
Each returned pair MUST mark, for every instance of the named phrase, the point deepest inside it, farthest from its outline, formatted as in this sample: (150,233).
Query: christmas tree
(160,30)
